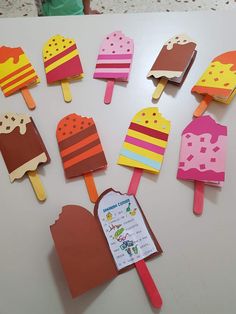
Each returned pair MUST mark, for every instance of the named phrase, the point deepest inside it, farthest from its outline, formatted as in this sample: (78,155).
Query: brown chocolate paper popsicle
(22,149)
(173,62)
(94,249)
(81,150)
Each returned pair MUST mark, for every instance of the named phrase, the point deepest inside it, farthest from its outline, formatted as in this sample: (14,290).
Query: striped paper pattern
(143,148)
(64,65)
(113,66)
(79,144)
(15,76)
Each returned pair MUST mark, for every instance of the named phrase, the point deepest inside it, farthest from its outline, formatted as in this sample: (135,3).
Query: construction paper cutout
(79,144)
(83,249)
(114,61)
(61,59)
(219,79)
(21,145)
(16,71)
(174,59)
(203,152)
(146,140)
(115,57)
(125,230)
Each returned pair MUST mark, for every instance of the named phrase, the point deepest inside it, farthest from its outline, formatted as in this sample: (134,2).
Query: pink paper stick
(141,266)
(134,182)
(109,91)
(149,284)
(198,201)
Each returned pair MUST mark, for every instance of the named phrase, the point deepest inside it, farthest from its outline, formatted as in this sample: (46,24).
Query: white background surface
(196,273)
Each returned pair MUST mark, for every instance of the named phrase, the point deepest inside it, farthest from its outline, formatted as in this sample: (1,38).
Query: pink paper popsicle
(203,155)
(114,61)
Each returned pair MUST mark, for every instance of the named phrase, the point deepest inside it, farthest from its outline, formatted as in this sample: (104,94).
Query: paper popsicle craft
(144,145)
(218,82)
(202,156)
(114,61)
(22,149)
(173,62)
(94,249)
(17,74)
(62,63)
(81,150)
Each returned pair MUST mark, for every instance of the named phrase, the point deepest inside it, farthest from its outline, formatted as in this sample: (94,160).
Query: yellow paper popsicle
(146,140)
(16,71)
(219,79)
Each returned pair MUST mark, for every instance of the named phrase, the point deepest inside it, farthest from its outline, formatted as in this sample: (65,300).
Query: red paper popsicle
(202,156)
(114,61)
(81,150)
(173,62)
(62,63)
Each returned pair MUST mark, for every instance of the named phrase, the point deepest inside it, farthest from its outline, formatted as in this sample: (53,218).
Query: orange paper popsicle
(218,82)
(173,62)
(62,63)
(81,150)
(17,73)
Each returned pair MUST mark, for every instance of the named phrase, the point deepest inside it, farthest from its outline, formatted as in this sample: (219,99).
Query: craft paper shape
(202,156)
(17,73)
(22,149)
(145,143)
(114,61)
(81,150)
(173,62)
(218,82)
(62,63)
(95,249)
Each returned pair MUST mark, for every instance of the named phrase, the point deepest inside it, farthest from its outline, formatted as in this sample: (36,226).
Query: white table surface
(196,273)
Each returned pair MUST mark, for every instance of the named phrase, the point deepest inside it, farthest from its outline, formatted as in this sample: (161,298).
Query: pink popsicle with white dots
(203,152)
(115,57)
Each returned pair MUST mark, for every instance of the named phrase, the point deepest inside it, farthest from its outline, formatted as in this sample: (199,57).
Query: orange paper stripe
(18,79)
(91,152)
(79,145)
(32,80)
(5,78)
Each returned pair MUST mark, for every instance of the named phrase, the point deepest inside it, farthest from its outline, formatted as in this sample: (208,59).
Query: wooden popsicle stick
(201,108)
(109,91)
(160,87)
(149,284)
(65,85)
(91,187)
(198,201)
(28,98)
(134,182)
(37,185)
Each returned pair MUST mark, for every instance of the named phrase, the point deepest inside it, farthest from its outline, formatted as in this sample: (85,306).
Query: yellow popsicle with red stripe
(16,71)
(146,140)
(61,59)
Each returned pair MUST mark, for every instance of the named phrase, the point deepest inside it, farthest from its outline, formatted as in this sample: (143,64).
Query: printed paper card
(125,229)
